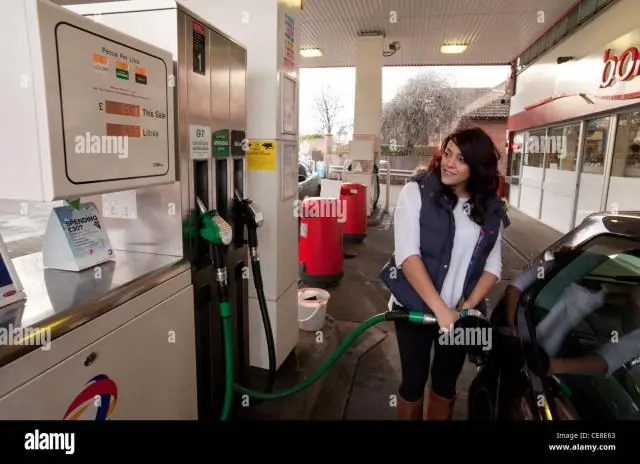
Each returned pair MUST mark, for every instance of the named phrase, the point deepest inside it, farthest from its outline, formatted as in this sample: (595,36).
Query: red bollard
(320,247)
(353,199)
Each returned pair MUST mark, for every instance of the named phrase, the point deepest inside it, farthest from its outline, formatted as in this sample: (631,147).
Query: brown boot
(408,411)
(439,408)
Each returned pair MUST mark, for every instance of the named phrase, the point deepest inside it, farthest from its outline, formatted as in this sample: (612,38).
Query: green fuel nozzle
(214,228)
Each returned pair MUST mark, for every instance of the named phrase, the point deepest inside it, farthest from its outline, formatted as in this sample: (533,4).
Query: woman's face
(454,171)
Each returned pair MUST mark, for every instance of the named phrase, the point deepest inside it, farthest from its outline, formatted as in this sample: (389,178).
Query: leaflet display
(75,238)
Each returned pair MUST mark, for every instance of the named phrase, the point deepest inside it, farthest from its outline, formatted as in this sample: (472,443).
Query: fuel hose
(412,316)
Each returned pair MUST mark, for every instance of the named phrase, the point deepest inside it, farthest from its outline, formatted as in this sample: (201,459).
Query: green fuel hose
(416,317)
(227,330)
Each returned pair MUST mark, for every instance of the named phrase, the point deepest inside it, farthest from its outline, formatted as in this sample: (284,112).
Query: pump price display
(119,109)
(123,130)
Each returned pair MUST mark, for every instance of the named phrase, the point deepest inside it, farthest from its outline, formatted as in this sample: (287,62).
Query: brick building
(487,108)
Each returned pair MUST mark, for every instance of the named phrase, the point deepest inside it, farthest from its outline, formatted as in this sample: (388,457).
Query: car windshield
(587,319)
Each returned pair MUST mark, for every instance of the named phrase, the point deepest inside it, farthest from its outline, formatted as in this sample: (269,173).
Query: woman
(447,257)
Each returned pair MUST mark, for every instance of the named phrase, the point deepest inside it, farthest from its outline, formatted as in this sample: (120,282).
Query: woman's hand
(447,318)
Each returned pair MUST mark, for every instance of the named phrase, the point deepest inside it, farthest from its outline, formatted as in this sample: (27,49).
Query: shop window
(518,148)
(626,154)
(595,145)
(535,144)
(561,147)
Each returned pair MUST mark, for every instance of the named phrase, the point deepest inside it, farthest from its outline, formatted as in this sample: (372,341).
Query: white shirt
(406,225)
(618,354)
(527,277)
(575,304)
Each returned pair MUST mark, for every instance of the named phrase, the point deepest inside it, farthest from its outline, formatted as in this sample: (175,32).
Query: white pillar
(269,29)
(365,148)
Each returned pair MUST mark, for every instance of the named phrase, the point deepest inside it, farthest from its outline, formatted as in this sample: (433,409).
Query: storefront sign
(619,69)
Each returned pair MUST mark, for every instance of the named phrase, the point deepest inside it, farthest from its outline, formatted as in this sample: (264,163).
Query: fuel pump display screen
(5,277)
(115,108)
(121,109)
(123,130)
(9,286)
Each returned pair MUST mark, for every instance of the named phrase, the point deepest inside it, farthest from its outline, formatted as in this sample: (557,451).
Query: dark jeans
(414,344)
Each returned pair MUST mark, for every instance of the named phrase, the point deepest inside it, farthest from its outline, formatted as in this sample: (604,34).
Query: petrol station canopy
(496,31)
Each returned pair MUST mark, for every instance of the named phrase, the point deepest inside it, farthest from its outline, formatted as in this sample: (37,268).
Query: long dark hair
(482,156)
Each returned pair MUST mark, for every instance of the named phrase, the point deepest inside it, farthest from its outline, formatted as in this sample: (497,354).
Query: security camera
(564,59)
(393,48)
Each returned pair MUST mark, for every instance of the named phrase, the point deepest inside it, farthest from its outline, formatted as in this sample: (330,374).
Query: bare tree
(424,107)
(329,107)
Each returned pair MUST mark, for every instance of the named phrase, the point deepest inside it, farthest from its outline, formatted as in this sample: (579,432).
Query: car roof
(624,223)
(631,217)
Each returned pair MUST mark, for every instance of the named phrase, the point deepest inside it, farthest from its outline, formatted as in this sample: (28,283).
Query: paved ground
(362,383)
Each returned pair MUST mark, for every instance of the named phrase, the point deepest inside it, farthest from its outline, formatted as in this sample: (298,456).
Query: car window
(587,319)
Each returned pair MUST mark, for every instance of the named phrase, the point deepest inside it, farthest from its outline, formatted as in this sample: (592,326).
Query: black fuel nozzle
(249,215)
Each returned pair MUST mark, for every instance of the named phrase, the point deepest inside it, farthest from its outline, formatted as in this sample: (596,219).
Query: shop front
(576,126)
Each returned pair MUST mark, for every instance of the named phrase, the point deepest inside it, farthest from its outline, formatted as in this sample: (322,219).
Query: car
(309,182)
(574,353)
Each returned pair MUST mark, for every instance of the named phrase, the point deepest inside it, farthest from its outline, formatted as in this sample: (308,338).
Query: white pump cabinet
(85,109)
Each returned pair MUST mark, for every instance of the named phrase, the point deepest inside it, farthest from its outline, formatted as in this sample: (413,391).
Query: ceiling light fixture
(310,53)
(450,49)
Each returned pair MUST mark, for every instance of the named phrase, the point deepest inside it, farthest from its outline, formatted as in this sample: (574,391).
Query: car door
(584,316)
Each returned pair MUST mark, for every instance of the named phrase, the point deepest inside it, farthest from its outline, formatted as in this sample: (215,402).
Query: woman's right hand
(447,319)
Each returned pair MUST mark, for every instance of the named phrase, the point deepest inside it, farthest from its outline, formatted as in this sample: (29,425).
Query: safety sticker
(261,155)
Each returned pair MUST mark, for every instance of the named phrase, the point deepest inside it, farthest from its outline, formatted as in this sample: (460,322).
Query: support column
(364,150)
(269,31)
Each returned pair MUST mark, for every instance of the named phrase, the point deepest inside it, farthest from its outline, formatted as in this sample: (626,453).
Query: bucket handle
(312,314)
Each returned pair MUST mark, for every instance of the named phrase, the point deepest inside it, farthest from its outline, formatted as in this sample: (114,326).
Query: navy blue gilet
(437,229)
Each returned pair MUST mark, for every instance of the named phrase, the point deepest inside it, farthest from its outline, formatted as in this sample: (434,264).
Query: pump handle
(201,206)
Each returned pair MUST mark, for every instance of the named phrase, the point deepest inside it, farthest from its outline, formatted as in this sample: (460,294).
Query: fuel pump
(250,217)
